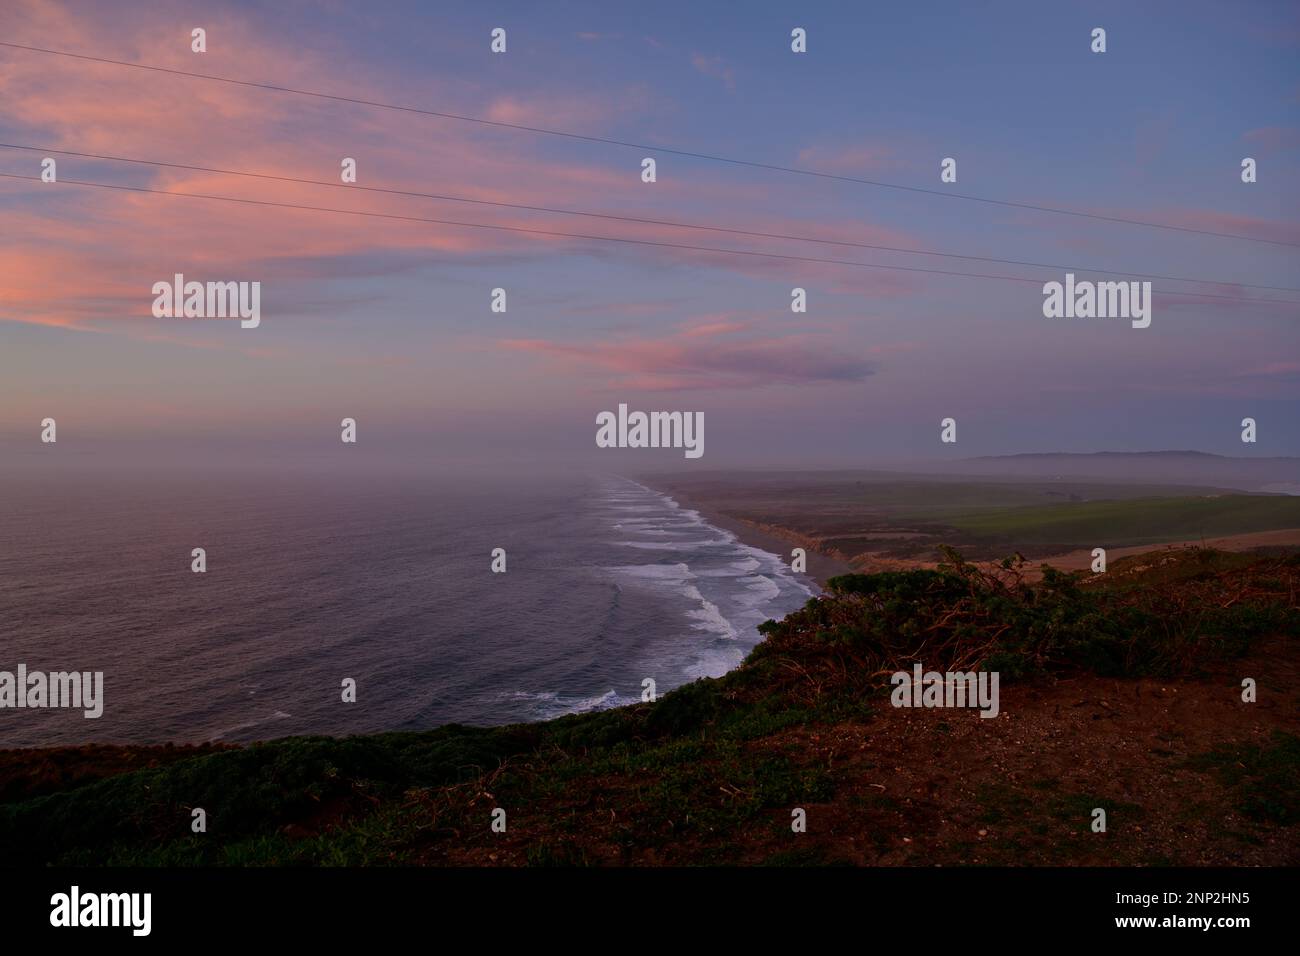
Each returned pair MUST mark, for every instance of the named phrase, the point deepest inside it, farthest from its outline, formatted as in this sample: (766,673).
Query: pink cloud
(566,111)
(714,66)
(852,158)
(82,257)
(1273,138)
(715,325)
(1234,223)
(1210,220)
(704,356)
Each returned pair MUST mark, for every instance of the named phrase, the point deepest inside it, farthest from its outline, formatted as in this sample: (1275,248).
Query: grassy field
(910,518)
(1129,522)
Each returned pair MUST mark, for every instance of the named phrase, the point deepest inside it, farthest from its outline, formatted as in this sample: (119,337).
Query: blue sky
(387,321)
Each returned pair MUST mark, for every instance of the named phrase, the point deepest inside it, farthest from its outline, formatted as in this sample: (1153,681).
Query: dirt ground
(1080,560)
(948,787)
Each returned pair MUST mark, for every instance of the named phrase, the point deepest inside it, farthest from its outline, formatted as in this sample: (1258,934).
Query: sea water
(314,580)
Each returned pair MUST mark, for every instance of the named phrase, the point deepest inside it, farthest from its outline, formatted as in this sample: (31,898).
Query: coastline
(820,566)
(607,788)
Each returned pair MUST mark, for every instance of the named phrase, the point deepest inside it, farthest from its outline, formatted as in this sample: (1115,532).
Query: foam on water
(547,705)
(384,581)
(713,578)
(674,545)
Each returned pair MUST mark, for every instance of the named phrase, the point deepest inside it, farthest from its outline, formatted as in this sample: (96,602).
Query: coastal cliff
(1121,692)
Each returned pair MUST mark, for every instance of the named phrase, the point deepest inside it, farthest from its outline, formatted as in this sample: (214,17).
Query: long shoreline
(821,567)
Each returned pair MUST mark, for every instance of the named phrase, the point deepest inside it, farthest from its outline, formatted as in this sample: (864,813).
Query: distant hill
(1278,475)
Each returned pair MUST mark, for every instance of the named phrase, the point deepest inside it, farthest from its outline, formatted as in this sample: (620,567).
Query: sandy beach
(821,567)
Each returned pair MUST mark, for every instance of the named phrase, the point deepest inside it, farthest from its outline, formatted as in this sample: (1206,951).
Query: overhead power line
(709,157)
(598,238)
(443,197)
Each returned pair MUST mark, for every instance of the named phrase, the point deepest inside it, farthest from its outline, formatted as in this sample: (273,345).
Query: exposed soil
(1079,560)
(948,787)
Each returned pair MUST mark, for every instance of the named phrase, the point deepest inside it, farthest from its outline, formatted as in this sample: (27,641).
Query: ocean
(311,580)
